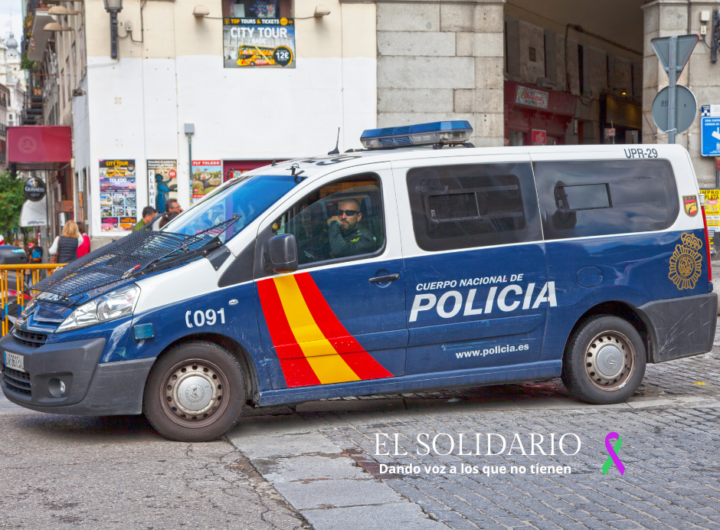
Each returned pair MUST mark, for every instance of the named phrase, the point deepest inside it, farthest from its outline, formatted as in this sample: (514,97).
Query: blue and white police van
(416,263)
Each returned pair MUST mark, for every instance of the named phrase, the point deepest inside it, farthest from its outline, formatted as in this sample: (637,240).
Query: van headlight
(111,306)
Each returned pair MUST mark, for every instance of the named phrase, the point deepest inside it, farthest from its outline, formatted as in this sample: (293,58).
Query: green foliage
(11,201)
(27,64)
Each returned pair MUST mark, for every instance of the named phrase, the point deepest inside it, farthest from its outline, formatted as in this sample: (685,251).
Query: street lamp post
(113,7)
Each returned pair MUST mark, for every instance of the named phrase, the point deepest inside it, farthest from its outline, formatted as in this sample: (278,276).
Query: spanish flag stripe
(295,367)
(361,362)
(322,356)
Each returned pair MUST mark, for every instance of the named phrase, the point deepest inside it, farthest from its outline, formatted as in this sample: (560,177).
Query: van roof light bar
(436,133)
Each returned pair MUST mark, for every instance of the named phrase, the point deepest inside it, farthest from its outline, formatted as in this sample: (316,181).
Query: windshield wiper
(184,247)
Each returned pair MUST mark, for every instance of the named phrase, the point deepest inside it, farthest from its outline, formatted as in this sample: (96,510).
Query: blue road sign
(710,135)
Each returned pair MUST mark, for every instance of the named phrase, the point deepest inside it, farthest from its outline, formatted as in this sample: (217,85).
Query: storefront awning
(33,147)
(34,213)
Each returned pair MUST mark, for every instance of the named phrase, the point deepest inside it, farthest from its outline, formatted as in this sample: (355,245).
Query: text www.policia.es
(509,348)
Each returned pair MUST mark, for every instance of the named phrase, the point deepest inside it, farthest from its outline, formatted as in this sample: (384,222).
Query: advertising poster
(162,183)
(206,176)
(712,209)
(118,195)
(259,42)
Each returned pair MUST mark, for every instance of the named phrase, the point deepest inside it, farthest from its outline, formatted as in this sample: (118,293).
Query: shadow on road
(107,429)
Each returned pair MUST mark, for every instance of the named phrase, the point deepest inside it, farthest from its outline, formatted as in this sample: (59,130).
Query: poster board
(118,195)
(258,42)
(162,183)
(206,176)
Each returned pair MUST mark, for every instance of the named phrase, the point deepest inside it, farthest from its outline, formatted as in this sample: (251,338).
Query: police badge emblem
(686,262)
(691,205)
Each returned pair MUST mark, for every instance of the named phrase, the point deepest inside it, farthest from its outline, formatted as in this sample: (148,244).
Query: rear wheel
(195,393)
(605,360)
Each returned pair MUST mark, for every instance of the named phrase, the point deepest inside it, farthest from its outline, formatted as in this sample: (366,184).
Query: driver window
(340,220)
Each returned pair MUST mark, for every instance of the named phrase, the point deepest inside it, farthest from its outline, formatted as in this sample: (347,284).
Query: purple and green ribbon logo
(612,451)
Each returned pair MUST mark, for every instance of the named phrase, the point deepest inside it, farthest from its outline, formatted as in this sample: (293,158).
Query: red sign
(172,173)
(539,137)
(39,146)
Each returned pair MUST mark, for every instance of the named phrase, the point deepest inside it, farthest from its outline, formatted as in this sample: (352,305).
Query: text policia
(509,299)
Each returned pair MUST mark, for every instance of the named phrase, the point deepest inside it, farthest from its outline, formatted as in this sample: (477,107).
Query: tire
(195,393)
(604,362)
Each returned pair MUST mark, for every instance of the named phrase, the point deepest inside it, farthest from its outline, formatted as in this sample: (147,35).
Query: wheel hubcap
(193,393)
(609,360)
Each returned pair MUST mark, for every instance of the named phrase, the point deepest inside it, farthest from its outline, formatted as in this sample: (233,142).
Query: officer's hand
(333,218)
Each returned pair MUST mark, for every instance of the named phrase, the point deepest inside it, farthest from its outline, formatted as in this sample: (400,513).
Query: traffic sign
(710,135)
(685,109)
(685,46)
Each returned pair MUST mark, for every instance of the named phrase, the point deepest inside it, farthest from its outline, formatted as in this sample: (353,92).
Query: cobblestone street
(319,465)
(670,449)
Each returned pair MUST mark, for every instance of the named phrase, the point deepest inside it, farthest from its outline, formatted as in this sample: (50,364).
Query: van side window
(343,219)
(593,198)
(468,206)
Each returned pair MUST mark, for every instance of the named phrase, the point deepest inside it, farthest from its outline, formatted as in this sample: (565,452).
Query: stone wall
(439,61)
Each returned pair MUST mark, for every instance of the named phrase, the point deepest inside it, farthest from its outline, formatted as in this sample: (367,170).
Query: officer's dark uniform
(357,241)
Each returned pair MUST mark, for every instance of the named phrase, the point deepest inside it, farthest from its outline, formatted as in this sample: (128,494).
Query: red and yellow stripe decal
(313,346)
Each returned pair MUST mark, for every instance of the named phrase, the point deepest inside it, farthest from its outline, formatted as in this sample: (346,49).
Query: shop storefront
(234,168)
(621,120)
(536,116)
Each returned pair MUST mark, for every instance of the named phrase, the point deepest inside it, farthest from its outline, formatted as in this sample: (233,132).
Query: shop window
(456,207)
(355,202)
(594,198)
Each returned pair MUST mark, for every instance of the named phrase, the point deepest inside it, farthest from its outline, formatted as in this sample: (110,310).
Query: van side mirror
(283,253)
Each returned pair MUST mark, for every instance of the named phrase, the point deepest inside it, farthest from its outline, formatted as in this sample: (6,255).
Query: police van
(416,263)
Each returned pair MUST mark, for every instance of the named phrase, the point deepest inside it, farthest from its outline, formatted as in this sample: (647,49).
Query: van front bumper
(681,327)
(91,389)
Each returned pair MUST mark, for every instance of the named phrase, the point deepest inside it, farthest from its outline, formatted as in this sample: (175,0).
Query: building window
(532,54)
(581,68)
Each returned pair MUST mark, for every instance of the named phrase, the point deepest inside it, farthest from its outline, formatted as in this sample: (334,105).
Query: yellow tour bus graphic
(255,56)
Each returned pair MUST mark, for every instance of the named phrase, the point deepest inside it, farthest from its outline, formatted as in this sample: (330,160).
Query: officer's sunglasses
(348,213)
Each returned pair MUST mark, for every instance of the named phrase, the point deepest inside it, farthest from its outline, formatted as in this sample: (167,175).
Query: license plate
(14,361)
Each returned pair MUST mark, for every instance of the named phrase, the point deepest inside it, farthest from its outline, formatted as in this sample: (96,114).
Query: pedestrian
(148,214)
(84,248)
(173,206)
(167,217)
(64,248)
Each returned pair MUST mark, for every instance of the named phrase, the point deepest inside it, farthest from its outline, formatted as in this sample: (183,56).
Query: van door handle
(386,278)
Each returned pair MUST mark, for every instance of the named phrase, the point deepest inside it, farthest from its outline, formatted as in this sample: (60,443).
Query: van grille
(17,381)
(33,340)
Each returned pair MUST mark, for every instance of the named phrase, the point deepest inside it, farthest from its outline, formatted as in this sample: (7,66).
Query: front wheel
(604,362)
(195,393)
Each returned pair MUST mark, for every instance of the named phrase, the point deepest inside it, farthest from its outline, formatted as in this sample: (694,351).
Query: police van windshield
(248,197)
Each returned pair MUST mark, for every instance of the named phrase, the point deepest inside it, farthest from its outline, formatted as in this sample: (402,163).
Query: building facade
(199,93)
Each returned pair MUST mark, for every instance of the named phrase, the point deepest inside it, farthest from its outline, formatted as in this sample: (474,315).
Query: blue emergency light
(439,132)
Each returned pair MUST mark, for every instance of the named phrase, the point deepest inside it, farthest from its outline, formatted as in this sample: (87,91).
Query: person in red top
(85,247)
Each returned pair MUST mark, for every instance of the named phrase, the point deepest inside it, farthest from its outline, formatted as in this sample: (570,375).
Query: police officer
(347,237)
